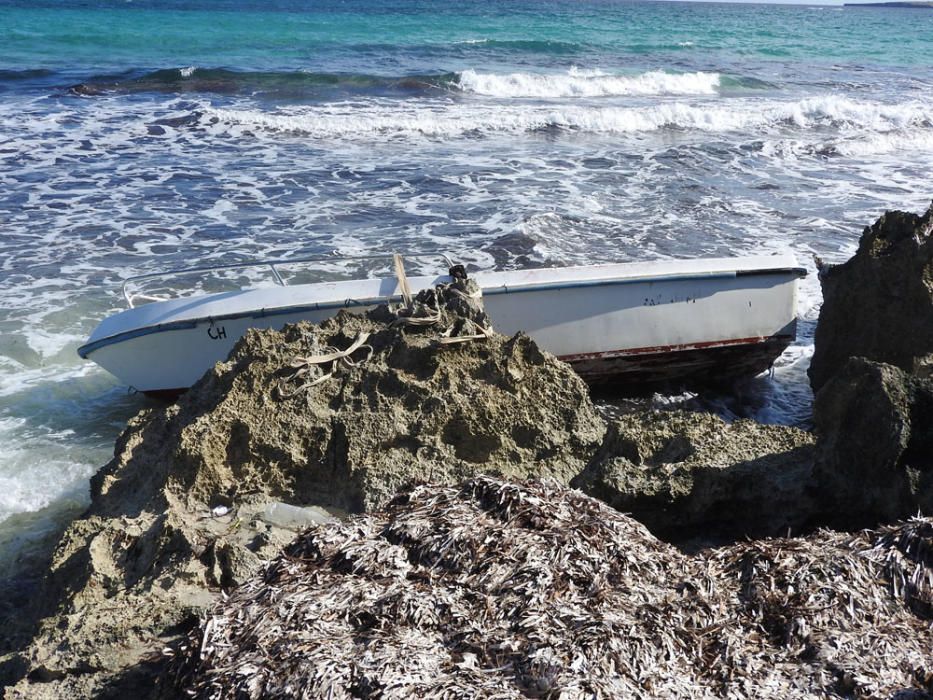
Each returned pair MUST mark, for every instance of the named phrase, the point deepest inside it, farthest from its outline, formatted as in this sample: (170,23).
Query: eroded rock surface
(879,304)
(182,509)
(875,455)
(686,474)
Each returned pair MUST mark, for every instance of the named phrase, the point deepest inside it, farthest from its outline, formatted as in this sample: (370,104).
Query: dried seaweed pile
(815,617)
(907,554)
(498,590)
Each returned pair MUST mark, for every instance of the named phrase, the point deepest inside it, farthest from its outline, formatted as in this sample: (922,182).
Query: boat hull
(702,364)
(620,325)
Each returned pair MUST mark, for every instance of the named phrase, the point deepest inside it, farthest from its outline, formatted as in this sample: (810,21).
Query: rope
(405,289)
(434,316)
(447,339)
(409,302)
(430,320)
(303,365)
(478,294)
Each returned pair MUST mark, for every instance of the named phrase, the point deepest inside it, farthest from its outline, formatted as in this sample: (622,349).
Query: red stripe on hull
(663,349)
(707,363)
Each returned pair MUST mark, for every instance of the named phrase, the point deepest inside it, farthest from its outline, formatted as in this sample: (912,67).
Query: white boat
(706,319)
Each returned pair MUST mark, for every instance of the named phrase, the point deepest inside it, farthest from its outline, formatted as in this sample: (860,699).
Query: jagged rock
(412,411)
(183,508)
(879,304)
(874,458)
(685,474)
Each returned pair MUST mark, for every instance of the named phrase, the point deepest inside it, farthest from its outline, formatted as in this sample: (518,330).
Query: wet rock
(120,585)
(879,304)
(87,90)
(874,460)
(192,501)
(190,119)
(688,475)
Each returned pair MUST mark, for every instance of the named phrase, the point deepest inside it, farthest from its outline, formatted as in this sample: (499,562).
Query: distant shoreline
(912,5)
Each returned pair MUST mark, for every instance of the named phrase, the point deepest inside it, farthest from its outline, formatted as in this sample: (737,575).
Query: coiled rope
(434,316)
(302,366)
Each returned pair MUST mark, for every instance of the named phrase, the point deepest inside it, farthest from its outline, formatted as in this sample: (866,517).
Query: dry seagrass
(501,590)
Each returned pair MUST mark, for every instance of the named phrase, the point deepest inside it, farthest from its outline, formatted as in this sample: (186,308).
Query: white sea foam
(220,210)
(788,392)
(28,484)
(48,344)
(858,115)
(852,145)
(453,119)
(187,72)
(888,142)
(587,83)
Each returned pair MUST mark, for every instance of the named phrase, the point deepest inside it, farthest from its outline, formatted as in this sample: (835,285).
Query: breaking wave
(451,119)
(587,83)
(914,140)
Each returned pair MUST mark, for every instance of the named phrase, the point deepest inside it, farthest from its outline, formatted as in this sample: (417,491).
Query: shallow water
(143,135)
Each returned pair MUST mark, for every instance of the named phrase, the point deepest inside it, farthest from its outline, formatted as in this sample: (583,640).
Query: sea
(145,135)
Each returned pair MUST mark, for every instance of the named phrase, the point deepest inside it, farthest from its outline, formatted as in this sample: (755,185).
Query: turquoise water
(145,135)
(351,36)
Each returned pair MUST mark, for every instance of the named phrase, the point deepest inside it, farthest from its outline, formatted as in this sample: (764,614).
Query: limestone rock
(874,460)
(185,507)
(412,411)
(879,304)
(685,474)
